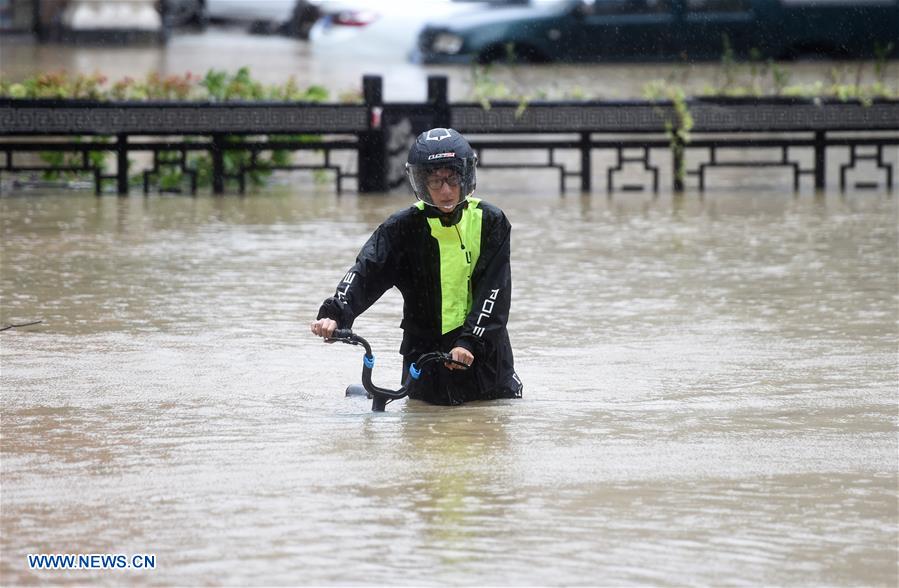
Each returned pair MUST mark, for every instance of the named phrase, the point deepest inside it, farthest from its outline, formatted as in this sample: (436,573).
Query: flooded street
(710,395)
(710,380)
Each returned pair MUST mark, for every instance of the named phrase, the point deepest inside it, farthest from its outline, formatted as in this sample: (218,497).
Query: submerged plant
(69,165)
(485,87)
(881,54)
(728,64)
(780,77)
(757,71)
(677,128)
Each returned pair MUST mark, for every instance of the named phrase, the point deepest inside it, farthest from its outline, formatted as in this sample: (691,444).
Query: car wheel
(179,13)
(301,20)
(202,20)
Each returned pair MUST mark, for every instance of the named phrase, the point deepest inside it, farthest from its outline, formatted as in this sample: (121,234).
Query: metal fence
(794,134)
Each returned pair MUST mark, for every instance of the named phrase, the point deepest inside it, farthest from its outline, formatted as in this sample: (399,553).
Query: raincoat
(456,284)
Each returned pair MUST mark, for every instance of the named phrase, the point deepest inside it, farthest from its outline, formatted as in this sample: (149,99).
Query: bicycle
(381,396)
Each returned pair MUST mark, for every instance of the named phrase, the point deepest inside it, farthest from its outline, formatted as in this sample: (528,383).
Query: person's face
(445,189)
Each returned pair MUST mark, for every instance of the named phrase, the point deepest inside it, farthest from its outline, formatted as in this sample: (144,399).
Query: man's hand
(324,328)
(462,355)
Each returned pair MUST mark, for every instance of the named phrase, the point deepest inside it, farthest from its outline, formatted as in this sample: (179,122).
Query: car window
(619,7)
(719,6)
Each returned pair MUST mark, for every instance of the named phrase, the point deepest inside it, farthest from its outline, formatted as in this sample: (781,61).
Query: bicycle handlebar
(380,396)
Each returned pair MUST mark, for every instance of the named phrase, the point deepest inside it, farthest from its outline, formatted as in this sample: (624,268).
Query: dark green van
(621,30)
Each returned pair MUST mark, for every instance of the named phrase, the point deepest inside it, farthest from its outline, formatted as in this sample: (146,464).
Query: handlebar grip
(342,334)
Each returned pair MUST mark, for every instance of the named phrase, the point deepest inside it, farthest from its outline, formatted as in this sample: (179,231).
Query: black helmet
(436,149)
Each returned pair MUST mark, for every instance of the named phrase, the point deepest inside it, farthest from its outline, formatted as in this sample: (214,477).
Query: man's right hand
(324,328)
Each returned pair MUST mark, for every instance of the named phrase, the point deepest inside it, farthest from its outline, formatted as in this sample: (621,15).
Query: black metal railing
(795,134)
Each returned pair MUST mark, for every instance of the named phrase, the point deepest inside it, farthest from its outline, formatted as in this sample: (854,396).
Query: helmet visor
(431,178)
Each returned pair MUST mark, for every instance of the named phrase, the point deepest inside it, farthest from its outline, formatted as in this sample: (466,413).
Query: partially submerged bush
(215,86)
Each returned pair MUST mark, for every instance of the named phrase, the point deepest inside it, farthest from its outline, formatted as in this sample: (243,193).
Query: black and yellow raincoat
(456,285)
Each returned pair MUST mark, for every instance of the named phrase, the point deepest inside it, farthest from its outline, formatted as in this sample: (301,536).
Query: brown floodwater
(710,380)
(710,395)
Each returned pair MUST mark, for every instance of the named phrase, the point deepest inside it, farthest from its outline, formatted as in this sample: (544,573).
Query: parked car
(599,30)
(382,29)
(294,17)
(274,11)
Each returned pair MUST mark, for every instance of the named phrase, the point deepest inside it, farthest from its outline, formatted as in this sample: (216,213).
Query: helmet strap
(447,219)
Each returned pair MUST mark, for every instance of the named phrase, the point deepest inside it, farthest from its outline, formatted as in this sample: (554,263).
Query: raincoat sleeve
(491,290)
(365,282)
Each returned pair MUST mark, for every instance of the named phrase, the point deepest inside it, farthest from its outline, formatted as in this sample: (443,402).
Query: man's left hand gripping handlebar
(324,328)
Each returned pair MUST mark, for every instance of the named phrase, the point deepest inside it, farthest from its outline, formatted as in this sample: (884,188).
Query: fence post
(586,166)
(820,160)
(122,164)
(677,157)
(218,163)
(438,98)
(372,162)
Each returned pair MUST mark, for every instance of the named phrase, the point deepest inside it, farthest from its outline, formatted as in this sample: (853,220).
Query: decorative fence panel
(380,135)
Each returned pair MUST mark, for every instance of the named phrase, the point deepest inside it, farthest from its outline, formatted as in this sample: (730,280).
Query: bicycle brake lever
(447,358)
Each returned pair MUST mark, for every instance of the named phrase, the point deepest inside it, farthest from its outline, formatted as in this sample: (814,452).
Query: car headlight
(447,43)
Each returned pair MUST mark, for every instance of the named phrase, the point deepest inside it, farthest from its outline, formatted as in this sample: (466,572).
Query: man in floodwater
(449,257)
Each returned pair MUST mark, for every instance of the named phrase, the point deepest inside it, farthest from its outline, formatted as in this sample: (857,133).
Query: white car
(274,11)
(378,30)
(292,17)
